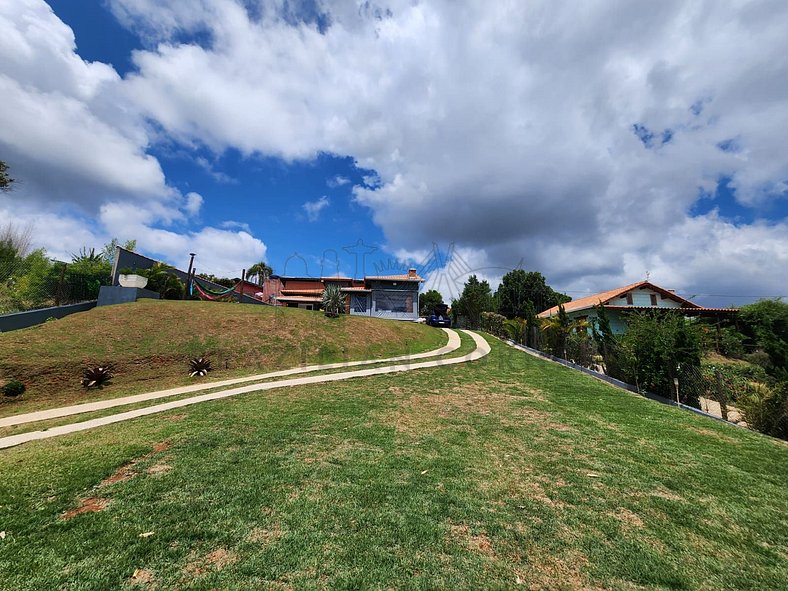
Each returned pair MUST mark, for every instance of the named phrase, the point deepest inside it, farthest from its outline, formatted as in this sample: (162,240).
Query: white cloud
(338,181)
(78,149)
(313,208)
(219,251)
(193,203)
(507,129)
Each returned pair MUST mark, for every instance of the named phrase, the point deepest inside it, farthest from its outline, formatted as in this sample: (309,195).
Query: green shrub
(13,389)
(737,378)
(655,350)
(493,323)
(162,278)
(581,349)
(766,409)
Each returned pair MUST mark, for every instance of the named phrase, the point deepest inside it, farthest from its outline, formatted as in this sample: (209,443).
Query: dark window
(629,299)
(359,303)
(653,299)
(392,301)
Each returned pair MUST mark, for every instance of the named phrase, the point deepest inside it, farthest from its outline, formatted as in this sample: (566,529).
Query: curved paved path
(482,349)
(64,411)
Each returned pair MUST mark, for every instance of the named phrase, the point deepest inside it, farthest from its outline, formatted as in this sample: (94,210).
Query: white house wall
(642,297)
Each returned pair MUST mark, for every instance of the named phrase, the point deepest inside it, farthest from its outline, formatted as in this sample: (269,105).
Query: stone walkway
(482,349)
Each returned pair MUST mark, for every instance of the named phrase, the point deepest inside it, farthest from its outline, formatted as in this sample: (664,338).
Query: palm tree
(87,257)
(333,302)
(260,271)
(561,326)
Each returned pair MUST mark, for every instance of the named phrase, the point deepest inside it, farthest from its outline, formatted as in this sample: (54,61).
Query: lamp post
(189,275)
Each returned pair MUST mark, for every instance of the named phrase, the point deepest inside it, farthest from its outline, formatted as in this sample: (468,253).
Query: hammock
(209,295)
(214,292)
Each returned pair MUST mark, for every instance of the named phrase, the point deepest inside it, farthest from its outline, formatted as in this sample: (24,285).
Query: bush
(162,278)
(737,378)
(13,389)
(494,324)
(655,350)
(581,349)
(766,409)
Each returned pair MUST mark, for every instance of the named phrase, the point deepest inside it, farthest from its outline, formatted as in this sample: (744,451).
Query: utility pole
(241,286)
(189,275)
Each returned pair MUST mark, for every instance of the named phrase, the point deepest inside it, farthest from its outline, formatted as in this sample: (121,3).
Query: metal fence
(36,284)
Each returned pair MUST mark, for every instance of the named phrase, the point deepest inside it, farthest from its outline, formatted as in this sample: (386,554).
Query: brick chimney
(412,273)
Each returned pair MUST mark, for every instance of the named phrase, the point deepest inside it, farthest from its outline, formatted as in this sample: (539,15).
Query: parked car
(440,316)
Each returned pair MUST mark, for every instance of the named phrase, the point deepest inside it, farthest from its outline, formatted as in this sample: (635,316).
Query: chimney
(412,273)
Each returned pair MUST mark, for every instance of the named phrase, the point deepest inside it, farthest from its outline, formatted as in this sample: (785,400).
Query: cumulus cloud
(575,137)
(220,251)
(313,208)
(78,147)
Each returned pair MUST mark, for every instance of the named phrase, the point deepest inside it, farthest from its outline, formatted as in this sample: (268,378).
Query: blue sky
(264,194)
(581,142)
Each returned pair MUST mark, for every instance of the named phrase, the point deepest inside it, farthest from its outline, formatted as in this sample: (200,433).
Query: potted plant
(130,278)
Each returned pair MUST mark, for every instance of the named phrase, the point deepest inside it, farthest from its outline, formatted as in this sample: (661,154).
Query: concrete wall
(32,317)
(109,296)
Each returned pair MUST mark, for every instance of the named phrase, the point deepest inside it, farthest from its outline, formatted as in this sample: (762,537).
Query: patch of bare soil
(477,542)
(89,505)
(128,470)
(142,576)
(160,468)
(174,418)
(263,536)
(213,561)
(628,518)
(659,493)
(549,572)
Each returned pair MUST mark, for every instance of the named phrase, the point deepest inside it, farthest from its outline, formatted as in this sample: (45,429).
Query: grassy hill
(150,343)
(510,472)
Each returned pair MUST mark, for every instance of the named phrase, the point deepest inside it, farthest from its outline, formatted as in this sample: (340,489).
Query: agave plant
(199,366)
(96,377)
(333,303)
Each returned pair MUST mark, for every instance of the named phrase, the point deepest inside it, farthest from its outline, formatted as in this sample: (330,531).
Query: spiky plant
(97,377)
(13,389)
(199,366)
(333,302)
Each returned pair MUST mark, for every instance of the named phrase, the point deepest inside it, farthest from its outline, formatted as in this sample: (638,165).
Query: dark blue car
(440,316)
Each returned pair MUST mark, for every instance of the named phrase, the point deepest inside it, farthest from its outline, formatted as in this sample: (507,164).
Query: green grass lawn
(509,472)
(150,343)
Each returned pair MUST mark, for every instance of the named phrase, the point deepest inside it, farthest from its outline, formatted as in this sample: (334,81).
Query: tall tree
(428,300)
(476,298)
(519,288)
(559,326)
(766,323)
(5,179)
(109,249)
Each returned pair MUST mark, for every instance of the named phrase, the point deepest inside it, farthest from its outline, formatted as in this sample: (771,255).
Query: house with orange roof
(383,296)
(640,296)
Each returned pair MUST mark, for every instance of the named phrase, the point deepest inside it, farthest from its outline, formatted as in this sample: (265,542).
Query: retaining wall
(19,320)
